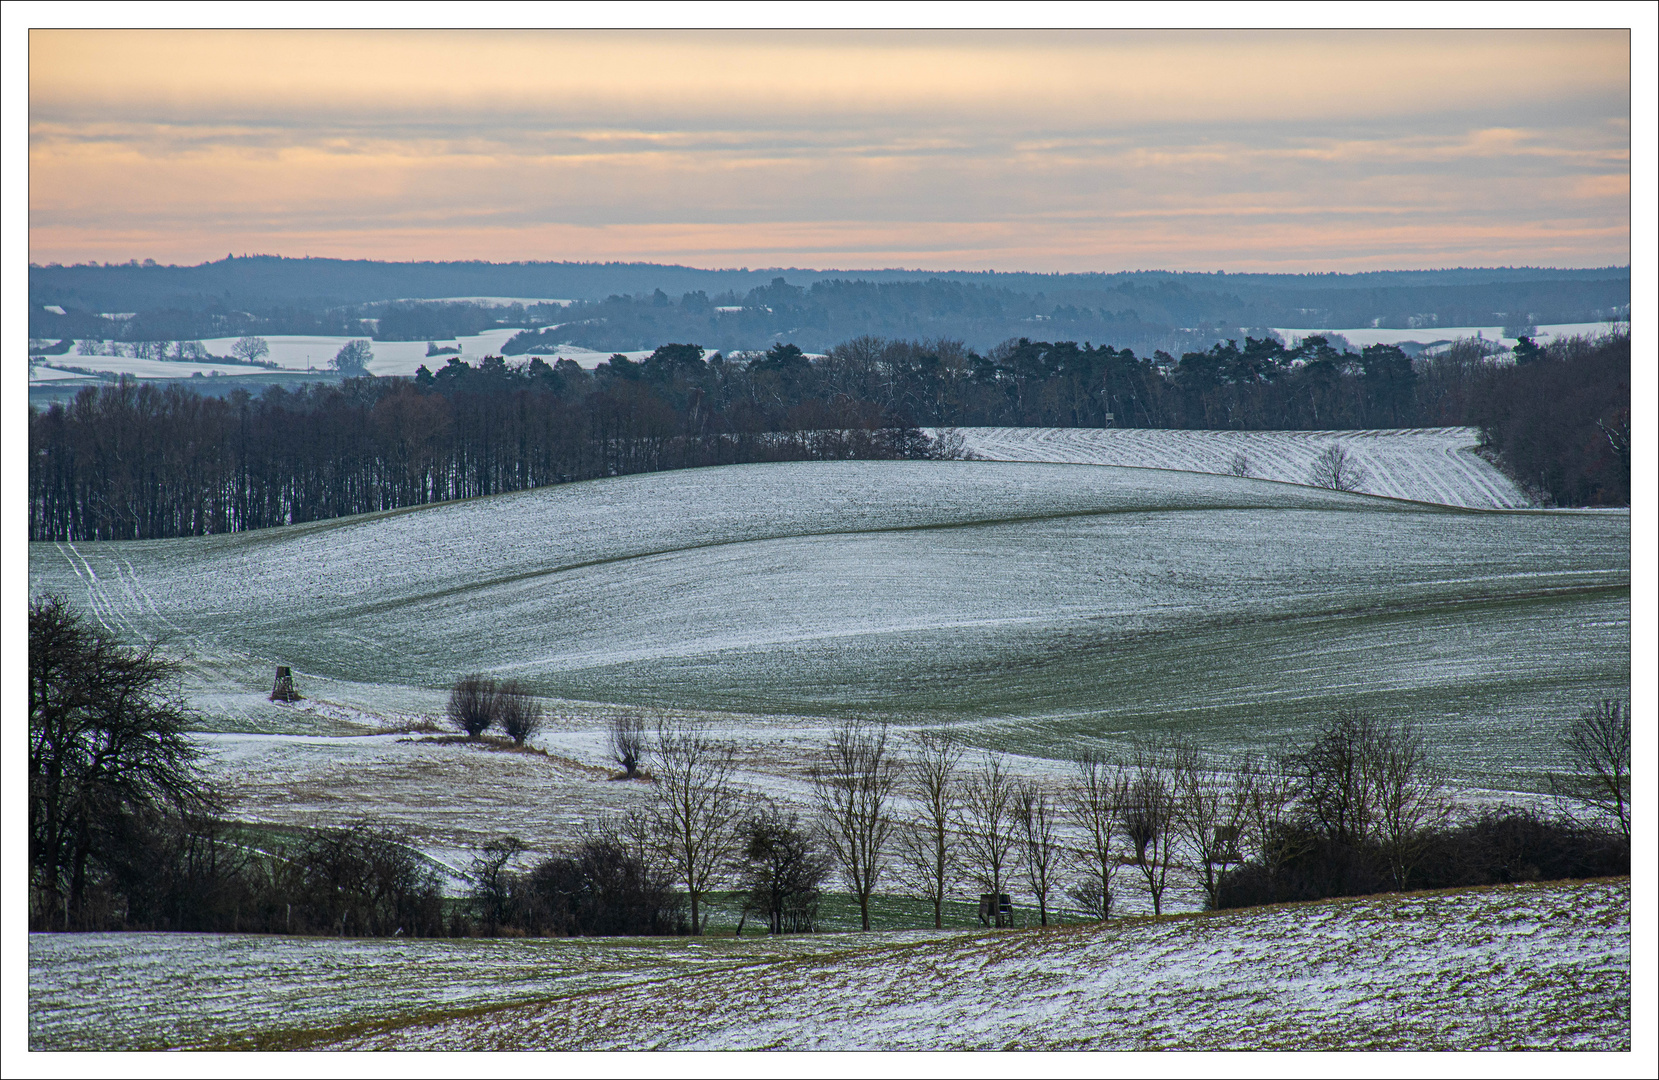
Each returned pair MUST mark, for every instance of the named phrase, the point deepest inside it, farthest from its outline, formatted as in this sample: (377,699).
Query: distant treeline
(136,462)
(638,306)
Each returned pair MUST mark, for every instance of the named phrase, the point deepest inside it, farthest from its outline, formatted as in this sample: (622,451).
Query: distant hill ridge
(264,280)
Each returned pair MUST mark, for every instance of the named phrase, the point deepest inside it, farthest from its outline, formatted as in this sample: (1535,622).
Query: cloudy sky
(1271,150)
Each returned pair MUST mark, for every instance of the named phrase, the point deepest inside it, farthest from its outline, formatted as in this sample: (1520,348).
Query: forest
(133,461)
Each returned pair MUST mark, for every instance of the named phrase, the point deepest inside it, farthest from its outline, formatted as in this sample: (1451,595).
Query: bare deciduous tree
(519,711)
(1337,779)
(1335,467)
(1240,464)
(1597,746)
(1040,846)
(628,744)
(1273,783)
(696,810)
(107,743)
(987,827)
(1097,799)
(492,881)
(1212,809)
(250,349)
(1410,796)
(853,782)
(928,847)
(1148,814)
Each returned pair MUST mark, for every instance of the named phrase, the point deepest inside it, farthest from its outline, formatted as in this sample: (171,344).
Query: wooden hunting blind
(284,688)
(996,909)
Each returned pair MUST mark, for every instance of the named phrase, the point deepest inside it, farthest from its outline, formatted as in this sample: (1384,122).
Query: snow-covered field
(296,352)
(1437,465)
(1362,336)
(138,368)
(41,373)
(301,353)
(1527,966)
(1032,607)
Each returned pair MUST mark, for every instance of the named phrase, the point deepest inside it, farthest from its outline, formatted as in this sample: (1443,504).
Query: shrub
(784,872)
(519,712)
(600,890)
(358,882)
(473,704)
(628,744)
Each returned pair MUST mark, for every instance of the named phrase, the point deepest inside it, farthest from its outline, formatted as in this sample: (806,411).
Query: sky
(1023,150)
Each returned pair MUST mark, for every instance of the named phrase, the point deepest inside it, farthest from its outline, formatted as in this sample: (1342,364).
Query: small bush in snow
(473,704)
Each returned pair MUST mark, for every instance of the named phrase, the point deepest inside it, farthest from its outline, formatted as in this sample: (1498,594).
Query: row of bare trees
(1360,808)
(924,820)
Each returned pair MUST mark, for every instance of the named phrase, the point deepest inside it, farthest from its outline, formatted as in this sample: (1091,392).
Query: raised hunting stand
(284,688)
(1226,846)
(995,913)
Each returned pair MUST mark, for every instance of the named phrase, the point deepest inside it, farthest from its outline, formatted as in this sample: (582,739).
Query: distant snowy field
(296,352)
(1360,337)
(1436,465)
(302,353)
(1528,966)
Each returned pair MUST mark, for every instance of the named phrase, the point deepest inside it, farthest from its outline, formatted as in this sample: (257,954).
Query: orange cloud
(1023,150)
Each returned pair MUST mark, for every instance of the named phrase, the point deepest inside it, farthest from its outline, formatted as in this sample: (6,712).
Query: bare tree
(1240,464)
(354,357)
(1212,808)
(635,832)
(250,349)
(519,711)
(1411,798)
(948,444)
(473,704)
(987,827)
(108,743)
(853,782)
(928,847)
(697,809)
(1148,814)
(1272,783)
(1040,846)
(492,881)
(1098,797)
(628,744)
(1335,467)
(1597,747)
(1337,778)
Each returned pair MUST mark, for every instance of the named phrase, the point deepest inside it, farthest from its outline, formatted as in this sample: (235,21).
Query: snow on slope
(1531,967)
(1534,966)
(1436,465)
(1038,604)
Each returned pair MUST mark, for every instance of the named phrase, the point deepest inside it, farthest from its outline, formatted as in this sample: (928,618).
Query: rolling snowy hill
(1435,465)
(1032,604)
